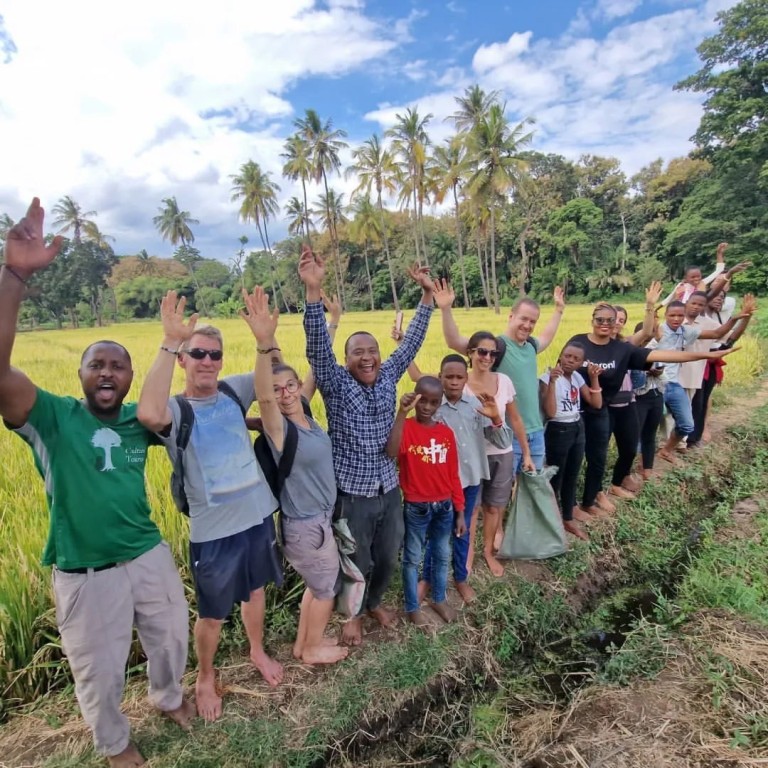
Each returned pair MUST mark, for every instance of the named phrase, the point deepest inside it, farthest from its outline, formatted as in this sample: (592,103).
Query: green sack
(534,528)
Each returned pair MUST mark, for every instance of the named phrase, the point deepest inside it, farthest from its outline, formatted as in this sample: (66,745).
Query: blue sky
(121,108)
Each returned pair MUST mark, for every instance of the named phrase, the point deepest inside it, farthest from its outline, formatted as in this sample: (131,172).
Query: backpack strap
(285,464)
(186,422)
(227,390)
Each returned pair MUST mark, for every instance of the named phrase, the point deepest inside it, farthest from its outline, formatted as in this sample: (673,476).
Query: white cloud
(616,9)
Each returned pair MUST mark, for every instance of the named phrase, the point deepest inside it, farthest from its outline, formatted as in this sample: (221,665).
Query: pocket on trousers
(69,590)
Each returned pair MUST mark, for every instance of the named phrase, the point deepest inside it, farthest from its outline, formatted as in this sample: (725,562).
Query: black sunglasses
(485,352)
(196,353)
(604,320)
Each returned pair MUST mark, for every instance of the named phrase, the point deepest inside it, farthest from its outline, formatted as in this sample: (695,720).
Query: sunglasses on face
(196,353)
(485,352)
(604,320)
(291,387)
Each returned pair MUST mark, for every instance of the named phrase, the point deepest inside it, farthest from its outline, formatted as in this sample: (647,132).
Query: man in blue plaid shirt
(360,399)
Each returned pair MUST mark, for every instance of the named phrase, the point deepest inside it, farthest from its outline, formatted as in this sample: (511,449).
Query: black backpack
(186,422)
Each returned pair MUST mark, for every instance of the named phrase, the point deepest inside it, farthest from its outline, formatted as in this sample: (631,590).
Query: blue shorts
(226,571)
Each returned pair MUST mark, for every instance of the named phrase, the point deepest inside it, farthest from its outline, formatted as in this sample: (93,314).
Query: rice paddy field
(29,652)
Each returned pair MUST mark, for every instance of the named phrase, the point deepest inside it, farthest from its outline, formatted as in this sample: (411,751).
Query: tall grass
(29,654)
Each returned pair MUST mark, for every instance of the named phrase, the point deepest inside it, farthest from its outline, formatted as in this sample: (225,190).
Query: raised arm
(646,332)
(548,392)
(497,432)
(414,372)
(25,254)
(750,304)
(153,411)
(550,329)
(673,356)
(725,277)
(404,355)
(592,393)
(319,349)
(309,387)
(407,401)
(444,297)
(719,265)
(263,325)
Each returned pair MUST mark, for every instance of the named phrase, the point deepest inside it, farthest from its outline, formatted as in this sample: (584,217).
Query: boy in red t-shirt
(433,499)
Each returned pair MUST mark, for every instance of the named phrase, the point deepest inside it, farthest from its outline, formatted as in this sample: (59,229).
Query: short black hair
(358,333)
(428,383)
(453,358)
(700,294)
(575,344)
(675,305)
(106,341)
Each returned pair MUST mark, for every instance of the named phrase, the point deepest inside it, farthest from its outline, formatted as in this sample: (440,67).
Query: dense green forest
(483,208)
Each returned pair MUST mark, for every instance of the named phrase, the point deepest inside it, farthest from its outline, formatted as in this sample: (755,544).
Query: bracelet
(268,350)
(650,308)
(169,350)
(10,269)
(332,326)
(595,391)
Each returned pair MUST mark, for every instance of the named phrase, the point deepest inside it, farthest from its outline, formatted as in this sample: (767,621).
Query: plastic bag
(534,528)
(349,600)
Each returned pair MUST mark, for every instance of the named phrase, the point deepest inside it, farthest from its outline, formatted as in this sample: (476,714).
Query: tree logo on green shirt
(106,439)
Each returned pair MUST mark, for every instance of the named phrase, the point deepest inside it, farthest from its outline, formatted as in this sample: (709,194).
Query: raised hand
(488,407)
(443,294)
(311,268)
(740,267)
(721,252)
(25,249)
(555,373)
(559,298)
(261,321)
(593,371)
(748,304)
(332,306)
(408,401)
(421,276)
(396,335)
(718,353)
(172,316)
(653,293)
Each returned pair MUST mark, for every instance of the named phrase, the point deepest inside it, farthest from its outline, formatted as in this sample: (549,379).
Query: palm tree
(174,224)
(69,215)
(473,107)
(146,265)
(325,143)
(258,194)
(299,220)
(409,141)
(375,168)
(454,166)
(6,224)
(498,165)
(95,235)
(329,209)
(298,165)
(366,228)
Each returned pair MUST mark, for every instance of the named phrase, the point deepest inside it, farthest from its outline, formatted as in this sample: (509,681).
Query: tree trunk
(305,213)
(331,215)
(460,248)
(274,269)
(395,300)
(368,275)
(415,214)
(523,264)
(494,284)
(482,269)
(421,231)
(198,296)
(275,298)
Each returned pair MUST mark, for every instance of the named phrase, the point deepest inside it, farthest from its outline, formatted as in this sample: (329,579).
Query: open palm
(25,248)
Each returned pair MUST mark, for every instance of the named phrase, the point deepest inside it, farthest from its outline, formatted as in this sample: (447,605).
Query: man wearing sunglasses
(233,549)
(111,569)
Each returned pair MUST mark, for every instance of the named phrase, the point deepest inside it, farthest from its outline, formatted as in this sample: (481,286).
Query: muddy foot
(494,566)
(130,757)
(632,483)
(605,503)
(444,611)
(324,654)
(419,618)
(575,530)
(581,516)
(352,632)
(182,715)
(384,616)
(621,493)
(666,456)
(207,699)
(466,592)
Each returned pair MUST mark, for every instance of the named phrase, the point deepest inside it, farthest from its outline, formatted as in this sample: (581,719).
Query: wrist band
(332,326)
(169,350)
(268,350)
(595,391)
(15,274)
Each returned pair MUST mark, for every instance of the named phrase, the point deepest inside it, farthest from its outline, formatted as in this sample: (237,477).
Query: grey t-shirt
(310,489)
(224,483)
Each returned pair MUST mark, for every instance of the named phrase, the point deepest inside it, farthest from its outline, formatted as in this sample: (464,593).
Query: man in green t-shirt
(518,361)
(111,569)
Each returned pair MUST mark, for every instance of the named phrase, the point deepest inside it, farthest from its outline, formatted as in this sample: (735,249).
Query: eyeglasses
(485,352)
(604,320)
(292,387)
(197,353)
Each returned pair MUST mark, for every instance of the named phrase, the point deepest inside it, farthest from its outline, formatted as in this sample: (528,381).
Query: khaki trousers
(96,613)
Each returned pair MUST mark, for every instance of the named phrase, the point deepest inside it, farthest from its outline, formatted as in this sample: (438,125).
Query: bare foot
(352,632)
(681,447)
(207,698)
(706,436)
(594,512)
(646,474)
(498,540)
(466,592)
(384,616)
(271,670)
(329,641)
(621,493)
(582,516)
(604,502)
(574,529)
(632,483)
(130,757)
(324,654)
(422,590)
(494,566)
(419,618)
(444,611)
(666,456)
(183,715)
